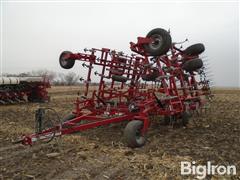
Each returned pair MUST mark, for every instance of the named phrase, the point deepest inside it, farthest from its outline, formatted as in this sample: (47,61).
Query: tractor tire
(68,117)
(194,49)
(162,42)
(185,119)
(132,134)
(119,78)
(66,63)
(192,65)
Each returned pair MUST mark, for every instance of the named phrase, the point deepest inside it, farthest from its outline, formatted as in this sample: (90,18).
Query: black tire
(68,117)
(185,118)
(65,62)
(192,65)
(132,134)
(119,78)
(194,49)
(151,76)
(162,42)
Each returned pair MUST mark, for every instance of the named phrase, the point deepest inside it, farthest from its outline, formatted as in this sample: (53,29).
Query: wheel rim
(63,60)
(157,43)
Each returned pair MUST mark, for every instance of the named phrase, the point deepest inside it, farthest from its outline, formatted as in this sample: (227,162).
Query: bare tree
(71,78)
(51,75)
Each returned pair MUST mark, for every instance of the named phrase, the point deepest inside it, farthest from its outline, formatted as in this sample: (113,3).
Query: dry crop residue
(100,153)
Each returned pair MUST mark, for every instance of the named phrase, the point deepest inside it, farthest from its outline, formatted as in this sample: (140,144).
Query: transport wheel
(132,134)
(185,118)
(161,44)
(194,49)
(64,61)
(119,78)
(192,65)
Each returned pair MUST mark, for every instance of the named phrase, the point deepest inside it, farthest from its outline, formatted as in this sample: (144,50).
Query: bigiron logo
(201,171)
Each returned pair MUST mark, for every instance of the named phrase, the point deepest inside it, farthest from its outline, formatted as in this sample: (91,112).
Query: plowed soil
(100,153)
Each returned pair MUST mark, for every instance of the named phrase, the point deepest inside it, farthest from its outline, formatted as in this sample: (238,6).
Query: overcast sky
(34,34)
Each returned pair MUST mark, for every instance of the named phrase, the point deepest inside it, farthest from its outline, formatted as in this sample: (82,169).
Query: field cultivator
(21,89)
(158,79)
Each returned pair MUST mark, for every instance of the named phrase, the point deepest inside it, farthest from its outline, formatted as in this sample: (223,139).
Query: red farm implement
(158,79)
(21,89)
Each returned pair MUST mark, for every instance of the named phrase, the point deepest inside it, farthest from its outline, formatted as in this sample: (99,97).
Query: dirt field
(101,153)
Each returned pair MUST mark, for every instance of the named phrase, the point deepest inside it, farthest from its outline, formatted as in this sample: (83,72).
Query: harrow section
(159,79)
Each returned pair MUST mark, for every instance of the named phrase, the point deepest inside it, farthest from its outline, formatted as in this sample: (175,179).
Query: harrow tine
(81,79)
